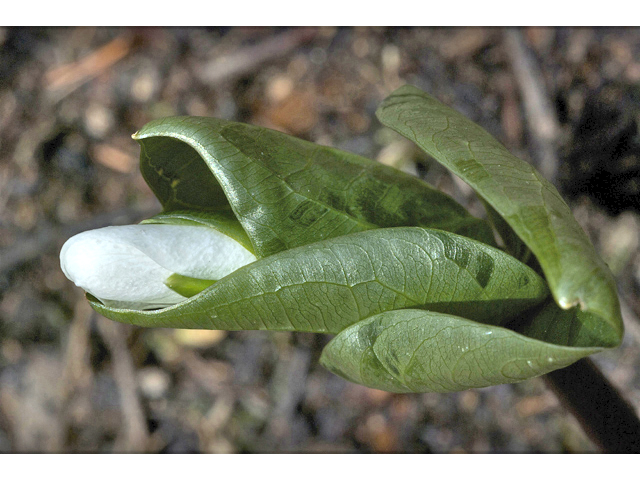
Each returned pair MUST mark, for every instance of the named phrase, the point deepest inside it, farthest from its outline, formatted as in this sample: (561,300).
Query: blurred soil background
(566,99)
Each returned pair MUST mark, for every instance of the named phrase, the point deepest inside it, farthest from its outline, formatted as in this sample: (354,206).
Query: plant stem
(606,417)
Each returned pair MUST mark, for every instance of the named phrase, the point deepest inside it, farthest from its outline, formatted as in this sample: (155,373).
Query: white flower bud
(126,266)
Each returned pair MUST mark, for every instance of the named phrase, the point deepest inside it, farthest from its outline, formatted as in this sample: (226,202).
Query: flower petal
(126,266)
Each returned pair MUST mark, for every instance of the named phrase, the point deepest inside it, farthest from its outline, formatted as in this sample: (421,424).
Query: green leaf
(329,285)
(286,192)
(420,351)
(530,205)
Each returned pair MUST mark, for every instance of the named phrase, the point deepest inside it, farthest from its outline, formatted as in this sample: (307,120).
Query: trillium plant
(264,231)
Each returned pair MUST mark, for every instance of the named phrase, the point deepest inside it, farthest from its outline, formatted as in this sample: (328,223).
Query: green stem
(606,417)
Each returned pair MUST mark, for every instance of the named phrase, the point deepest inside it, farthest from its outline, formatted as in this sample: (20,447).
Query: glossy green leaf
(419,351)
(528,203)
(286,192)
(327,286)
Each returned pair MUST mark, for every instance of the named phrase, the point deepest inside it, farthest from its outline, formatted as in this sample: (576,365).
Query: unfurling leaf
(418,351)
(286,192)
(329,285)
(526,201)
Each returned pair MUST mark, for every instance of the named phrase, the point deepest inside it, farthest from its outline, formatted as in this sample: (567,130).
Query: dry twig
(63,80)
(135,436)
(246,60)
(541,118)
